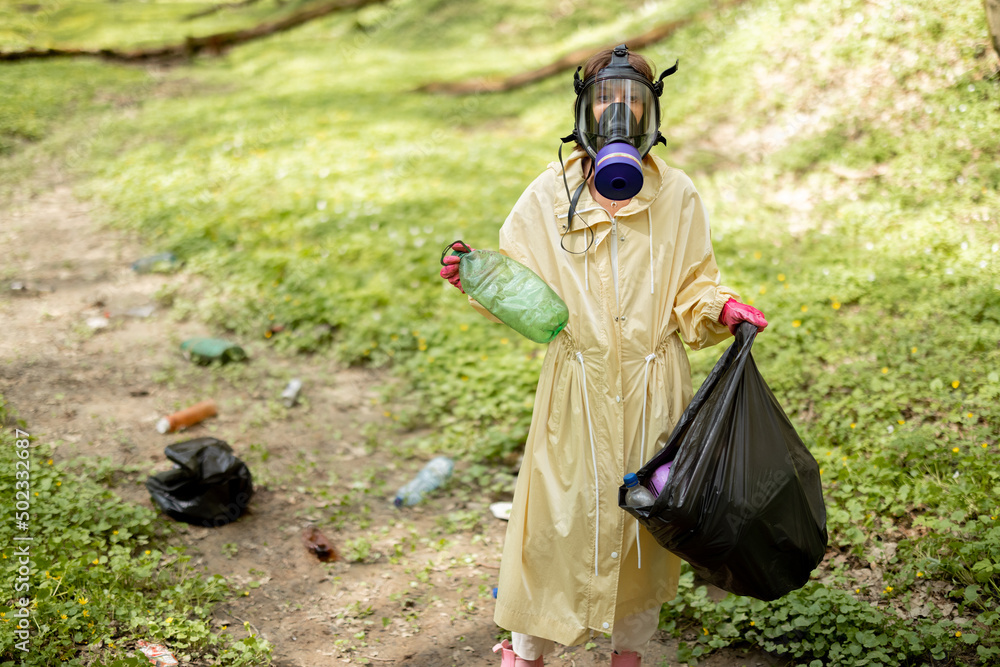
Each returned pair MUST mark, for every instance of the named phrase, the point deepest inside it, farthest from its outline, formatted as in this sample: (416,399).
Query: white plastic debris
(158,654)
(141,311)
(501,510)
(291,393)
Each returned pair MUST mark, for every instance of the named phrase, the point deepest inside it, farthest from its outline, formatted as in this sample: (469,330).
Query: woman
(624,240)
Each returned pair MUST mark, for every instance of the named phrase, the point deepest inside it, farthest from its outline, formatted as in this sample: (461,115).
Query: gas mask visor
(618,123)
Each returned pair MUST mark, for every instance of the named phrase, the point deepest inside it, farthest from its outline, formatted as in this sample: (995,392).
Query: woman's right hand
(450,270)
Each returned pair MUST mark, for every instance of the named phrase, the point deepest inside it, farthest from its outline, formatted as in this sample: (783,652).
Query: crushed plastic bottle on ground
(432,476)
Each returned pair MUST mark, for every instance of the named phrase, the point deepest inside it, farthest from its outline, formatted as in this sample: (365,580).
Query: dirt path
(413,587)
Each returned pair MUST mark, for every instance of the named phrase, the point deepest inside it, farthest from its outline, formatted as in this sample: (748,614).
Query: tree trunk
(993,21)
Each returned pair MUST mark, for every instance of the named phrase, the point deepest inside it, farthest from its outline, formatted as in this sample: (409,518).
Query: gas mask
(617,123)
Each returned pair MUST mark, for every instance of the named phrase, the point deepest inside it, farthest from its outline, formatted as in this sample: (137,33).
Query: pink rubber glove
(450,270)
(735,312)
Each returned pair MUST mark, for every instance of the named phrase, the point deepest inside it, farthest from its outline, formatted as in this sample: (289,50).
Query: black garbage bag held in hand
(208,485)
(743,503)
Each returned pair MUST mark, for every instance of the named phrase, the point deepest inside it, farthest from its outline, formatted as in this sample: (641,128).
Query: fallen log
(214,9)
(567,62)
(192,46)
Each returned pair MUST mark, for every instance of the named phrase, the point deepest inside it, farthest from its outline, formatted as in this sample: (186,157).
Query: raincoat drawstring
(586,251)
(649,219)
(642,446)
(593,453)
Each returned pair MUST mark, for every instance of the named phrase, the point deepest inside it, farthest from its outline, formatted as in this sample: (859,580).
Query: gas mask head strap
(658,86)
(618,68)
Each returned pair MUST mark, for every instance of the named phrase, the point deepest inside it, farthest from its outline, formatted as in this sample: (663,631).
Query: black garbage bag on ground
(743,503)
(208,485)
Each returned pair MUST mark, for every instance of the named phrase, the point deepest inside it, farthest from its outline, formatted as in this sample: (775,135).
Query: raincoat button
(605,626)
(614,554)
(618,399)
(623,318)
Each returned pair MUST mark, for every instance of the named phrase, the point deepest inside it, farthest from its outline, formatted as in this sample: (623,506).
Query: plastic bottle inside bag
(637,495)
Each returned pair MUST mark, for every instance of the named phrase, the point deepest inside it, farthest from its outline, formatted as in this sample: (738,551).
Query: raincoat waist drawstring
(593,453)
(642,446)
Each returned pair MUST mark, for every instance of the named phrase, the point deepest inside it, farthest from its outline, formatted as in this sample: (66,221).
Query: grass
(105,576)
(851,172)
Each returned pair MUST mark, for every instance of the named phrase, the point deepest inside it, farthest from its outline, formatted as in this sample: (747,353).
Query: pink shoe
(509,659)
(626,659)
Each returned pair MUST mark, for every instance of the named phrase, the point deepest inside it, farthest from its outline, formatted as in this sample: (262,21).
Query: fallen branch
(218,8)
(567,62)
(192,46)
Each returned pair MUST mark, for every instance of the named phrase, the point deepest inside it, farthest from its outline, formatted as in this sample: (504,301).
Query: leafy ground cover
(851,171)
(106,573)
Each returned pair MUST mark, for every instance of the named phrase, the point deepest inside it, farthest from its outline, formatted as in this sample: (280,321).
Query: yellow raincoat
(612,386)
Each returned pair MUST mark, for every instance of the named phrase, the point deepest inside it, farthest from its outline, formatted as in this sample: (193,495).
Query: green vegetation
(103,575)
(847,152)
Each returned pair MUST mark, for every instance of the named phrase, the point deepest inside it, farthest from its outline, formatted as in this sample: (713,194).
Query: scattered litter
(204,351)
(208,485)
(434,474)
(24,289)
(501,510)
(291,393)
(163,262)
(197,413)
(141,311)
(158,654)
(317,543)
(98,322)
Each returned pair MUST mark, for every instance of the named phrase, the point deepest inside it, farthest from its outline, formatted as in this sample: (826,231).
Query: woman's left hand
(735,312)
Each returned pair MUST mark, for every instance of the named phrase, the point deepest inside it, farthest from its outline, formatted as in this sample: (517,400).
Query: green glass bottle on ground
(512,292)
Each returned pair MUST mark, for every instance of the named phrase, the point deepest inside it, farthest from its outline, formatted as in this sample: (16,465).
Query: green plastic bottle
(512,292)
(204,351)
